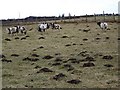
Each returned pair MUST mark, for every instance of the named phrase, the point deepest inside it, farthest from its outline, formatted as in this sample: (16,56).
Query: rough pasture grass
(66,53)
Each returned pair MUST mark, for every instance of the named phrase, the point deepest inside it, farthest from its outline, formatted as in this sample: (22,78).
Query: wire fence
(95,18)
(69,19)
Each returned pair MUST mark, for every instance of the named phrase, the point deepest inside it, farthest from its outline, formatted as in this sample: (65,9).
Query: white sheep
(42,27)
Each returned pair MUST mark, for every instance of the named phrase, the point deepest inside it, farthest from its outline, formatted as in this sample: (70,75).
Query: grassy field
(78,56)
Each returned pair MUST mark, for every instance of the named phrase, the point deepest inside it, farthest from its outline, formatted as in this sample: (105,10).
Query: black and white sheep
(16,30)
(43,27)
(102,25)
(55,26)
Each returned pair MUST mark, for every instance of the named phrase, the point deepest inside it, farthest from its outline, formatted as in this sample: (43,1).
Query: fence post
(103,16)
(113,17)
(86,17)
(69,17)
(74,18)
(36,20)
(95,16)
(55,19)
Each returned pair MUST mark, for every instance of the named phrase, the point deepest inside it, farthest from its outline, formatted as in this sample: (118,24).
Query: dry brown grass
(66,52)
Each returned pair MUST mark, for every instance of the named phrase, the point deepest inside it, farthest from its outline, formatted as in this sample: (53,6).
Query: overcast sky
(24,8)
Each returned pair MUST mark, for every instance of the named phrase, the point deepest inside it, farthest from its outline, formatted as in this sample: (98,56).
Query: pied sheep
(16,29)
(12,30)
(43,27)
(55,26)
(102,25)
(23,30)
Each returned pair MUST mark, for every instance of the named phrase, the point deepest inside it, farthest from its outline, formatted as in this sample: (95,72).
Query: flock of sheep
(16,30)
(44,26)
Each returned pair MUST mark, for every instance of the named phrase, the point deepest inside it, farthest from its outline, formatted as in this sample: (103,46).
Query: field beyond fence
(73,19)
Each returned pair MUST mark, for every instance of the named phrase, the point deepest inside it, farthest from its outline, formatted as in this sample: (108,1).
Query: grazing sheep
(16,29)
(8,30)
(102,25)
(23,30)
(12,30)
(43,27)
(55,26)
